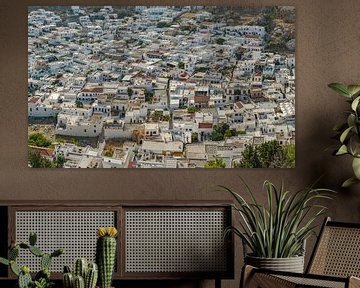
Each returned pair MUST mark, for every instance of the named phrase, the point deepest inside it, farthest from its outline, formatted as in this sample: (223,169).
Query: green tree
(217,136)
(163,24)
(201,69)
(216,163)
(181,65)
(223,128)
(229,133)
(148,95)
(193,109)
(220,41)
(194,137)
(165,118)
(60,161)
(39,140)
(221,132)
(130,92)
(250,158)
(268,152)
(281,159)
(159,116)
(268,18)
(156,115)
(290,153)
(38,161)
(79,104)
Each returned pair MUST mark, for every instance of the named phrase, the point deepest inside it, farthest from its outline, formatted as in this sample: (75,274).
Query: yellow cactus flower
(107,231)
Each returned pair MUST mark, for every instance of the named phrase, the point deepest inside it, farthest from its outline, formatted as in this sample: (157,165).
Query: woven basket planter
(291,264)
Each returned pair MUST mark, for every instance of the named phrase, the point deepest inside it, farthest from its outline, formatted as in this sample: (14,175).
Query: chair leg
(217,283)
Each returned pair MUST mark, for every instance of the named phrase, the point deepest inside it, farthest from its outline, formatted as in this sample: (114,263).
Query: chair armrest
(246,273)
(253,278)
(354,282)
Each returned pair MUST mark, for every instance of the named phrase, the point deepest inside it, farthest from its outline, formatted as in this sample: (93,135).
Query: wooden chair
(335,262)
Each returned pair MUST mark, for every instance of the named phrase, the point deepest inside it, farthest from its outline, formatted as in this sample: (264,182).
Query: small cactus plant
(91,276)
(85,275)
(106,254)
(25,279)
(79,282)
(42,278)
(80,267)
(68,278)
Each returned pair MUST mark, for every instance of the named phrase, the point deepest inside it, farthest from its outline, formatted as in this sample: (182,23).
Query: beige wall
(328,50)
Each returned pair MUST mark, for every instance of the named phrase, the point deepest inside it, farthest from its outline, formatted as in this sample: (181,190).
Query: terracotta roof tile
(205,125)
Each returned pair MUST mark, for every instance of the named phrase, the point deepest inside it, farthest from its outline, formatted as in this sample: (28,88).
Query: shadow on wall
(316,152)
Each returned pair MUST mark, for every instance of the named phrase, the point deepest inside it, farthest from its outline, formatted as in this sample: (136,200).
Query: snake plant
(349,131)
(279,228)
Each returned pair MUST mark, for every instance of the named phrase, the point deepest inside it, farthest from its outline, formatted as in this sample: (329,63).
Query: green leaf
(353,89)
(349,182)
(351,120)
(356,167)
(14,268)
(354,145)
(345,134)
(4,261)
(342,150)
(340,88)
(355,103)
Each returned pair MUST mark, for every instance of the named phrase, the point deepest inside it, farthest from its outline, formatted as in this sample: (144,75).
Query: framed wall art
(161,87)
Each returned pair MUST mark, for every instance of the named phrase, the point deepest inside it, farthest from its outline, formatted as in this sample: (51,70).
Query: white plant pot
(291,264)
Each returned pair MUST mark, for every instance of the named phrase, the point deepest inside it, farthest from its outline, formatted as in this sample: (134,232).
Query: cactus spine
(80,267)
(84,275)
(79,282)
(45,261)
(68,280)
(36,251)
(91,276)
(24,279)
(105,255)
(13,253)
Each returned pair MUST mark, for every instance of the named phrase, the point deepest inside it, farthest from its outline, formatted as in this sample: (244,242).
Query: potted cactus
(84,275)
(106,254)
(42,278)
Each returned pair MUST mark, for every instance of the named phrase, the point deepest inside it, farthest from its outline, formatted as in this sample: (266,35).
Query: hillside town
(161,87)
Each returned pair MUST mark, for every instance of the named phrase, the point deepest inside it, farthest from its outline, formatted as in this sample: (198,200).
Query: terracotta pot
(291,264)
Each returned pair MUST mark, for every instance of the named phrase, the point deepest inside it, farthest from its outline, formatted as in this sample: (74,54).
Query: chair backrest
(337,251)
